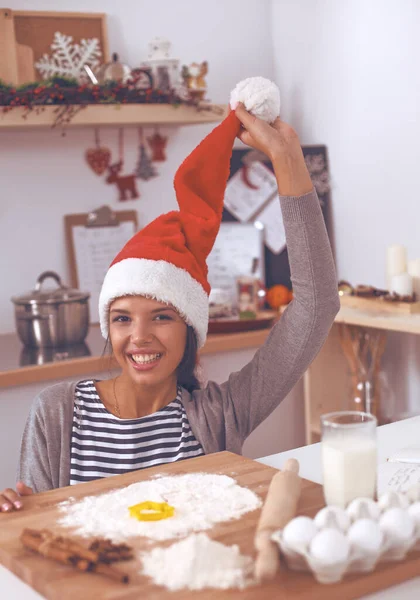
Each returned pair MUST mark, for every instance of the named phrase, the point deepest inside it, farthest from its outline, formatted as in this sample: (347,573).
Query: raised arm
(251,394)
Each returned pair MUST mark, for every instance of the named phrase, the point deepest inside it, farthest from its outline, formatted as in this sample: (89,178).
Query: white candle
(414,271)
(396,262)
(402,284)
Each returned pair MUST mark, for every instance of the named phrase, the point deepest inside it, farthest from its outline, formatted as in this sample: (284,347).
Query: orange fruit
(278,295)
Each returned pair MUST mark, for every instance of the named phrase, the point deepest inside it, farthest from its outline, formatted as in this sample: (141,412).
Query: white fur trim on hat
(259,95)
(160,280)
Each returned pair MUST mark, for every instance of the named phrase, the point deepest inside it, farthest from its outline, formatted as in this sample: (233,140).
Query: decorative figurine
(193,76)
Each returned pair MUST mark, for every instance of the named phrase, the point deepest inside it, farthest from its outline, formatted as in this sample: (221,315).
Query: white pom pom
(260,96)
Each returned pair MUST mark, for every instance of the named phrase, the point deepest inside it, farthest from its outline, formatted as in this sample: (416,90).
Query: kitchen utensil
(280,506)
(52,317)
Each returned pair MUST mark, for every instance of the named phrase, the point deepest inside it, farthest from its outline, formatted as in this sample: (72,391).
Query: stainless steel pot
(52,318)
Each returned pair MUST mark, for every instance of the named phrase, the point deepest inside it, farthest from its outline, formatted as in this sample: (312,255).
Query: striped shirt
(103,444)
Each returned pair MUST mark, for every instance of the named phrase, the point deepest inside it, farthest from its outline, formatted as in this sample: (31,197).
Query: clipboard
(92,241)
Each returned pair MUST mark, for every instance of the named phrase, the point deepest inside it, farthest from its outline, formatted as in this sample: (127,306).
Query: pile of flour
(198,562)
(200,501)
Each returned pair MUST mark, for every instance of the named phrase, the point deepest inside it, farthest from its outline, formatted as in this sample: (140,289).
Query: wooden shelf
(115,114)
(11,374)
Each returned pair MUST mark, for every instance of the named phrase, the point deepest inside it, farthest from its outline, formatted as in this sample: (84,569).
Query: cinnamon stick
(69,552)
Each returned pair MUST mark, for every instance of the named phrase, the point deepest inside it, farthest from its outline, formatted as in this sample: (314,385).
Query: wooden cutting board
(379,306)
(59,582)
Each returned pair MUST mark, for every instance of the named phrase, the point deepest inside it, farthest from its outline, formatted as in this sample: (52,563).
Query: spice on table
(109,552)
(69,552)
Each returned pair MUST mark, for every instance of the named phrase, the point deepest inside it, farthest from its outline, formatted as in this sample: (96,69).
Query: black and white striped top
(103,445)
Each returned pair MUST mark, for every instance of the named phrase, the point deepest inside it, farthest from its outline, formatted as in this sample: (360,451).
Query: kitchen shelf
(404,323)
(14,373)
(115,114)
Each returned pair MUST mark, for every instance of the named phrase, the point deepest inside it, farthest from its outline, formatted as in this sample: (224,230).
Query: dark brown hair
(186,369)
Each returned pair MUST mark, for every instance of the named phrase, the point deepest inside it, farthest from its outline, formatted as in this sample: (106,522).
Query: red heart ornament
(98,159)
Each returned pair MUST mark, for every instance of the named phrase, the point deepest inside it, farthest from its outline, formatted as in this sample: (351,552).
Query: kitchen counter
(22,366)
(390,438)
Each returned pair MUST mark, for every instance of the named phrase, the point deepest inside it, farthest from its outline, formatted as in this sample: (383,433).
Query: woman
(154,312)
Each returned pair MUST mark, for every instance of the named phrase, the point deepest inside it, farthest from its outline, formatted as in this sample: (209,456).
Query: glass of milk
(348,447)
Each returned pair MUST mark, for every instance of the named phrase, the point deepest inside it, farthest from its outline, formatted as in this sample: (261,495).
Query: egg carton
(337,542)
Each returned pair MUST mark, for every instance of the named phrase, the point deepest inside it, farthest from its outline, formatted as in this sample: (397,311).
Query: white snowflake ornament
(68,59)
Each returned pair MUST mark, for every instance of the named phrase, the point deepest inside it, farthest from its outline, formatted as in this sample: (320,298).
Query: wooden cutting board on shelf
(376,305)
(59,582)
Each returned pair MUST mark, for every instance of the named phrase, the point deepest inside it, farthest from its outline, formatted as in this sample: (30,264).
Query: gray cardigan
(221,416)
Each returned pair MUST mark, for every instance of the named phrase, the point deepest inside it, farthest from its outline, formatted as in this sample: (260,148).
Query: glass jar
(349,456)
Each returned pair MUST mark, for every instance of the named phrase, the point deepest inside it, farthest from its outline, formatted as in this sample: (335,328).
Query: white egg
(299,532)
(392,499)
(365,535)
(413,493)
(332,516)
(363,508)
(414,512)
(330,547)
(398,524)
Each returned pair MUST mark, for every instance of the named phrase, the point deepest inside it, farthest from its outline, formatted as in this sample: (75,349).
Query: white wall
(349,78)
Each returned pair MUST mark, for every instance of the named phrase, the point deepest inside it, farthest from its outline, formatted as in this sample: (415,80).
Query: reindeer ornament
(126,184)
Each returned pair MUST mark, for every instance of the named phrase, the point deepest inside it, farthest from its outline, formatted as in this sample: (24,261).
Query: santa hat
(167,259)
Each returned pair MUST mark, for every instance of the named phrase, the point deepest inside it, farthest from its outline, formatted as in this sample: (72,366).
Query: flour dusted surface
(197,562)
(200,501)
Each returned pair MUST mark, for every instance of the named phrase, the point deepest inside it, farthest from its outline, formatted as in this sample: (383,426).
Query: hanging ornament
(158,144)
(126,184)
(144,168)
(98,158)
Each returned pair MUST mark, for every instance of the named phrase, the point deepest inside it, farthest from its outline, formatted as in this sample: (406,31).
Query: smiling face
(148,339)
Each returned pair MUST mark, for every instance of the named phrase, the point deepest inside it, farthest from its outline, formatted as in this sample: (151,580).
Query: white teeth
(143,359)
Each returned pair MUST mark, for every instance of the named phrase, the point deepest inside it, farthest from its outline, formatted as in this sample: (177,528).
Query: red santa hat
(166,260)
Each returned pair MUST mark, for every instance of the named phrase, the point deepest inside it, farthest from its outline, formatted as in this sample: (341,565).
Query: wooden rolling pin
(280,506)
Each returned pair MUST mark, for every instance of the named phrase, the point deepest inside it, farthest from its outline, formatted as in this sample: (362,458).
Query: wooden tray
(59,582)
(380,306)
(264,320)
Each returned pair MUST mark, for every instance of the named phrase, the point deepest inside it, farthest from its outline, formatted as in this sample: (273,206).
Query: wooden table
(61,582)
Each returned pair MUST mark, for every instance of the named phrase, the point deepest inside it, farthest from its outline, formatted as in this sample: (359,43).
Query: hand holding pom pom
(259,96)
(256,102)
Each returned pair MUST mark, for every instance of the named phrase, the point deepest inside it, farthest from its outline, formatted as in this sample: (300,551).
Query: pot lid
(62,293)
